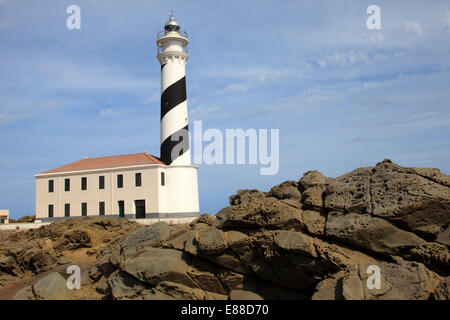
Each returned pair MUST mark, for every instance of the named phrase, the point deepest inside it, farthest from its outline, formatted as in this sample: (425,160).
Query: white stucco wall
(178,197)
(93,195)
(180,194)
(4,214)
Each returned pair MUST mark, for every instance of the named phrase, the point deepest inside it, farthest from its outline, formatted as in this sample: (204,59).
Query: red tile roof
(124,160)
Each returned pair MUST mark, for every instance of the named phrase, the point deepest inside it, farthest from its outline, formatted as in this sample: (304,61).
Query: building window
(50,185)
(101,182)
(120,181)
(101,208)
(83,183)
(84,209)
(66,184)
(50,211)
(163,179)
(67,210)
(138,178)
(2,221)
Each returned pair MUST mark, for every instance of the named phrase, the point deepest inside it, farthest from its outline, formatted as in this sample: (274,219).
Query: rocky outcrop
(319,238)
(377,232)
(32,253)
(51,287)
(25,219)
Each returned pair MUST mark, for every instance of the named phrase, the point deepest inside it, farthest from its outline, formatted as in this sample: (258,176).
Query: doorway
(121,209)
(140,209)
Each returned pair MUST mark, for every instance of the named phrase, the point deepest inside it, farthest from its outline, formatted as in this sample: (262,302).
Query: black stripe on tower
(177,143)
(173,96)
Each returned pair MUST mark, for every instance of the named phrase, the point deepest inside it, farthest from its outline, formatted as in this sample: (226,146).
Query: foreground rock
(375,233)
(318,238)
(51,287)
(26,255)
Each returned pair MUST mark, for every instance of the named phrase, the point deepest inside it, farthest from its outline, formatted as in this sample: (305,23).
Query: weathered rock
(51,287)
(95,273)
(432,174)
(125,286)
(432,254)
(330,288)
(295,242)
(417,199)
(395,188)
(313,197)
(236,240)
(320,238)
(25,219)
(286,190)
(442,292)
(153,265)
(25,294)
(206,219)
(259,213)
(399,281)
(373,234)
(211,241)
(350,192)
(246,195)
(29,256)
(181,292)
(293,203)
(244,295)
(186,241)
(428,219)
(8,265)
(148,236)
(78,238)
(311,178)
(103,287)
(444,236)
(42,261)
(314,222)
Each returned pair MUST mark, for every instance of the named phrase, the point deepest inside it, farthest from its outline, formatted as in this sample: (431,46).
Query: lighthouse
(138,185)
(173,55)
(179,195)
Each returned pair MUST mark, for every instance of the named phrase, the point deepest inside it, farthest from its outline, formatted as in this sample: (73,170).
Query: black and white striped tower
(173,55)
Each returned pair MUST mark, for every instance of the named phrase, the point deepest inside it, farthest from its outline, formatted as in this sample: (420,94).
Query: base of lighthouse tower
(179,195)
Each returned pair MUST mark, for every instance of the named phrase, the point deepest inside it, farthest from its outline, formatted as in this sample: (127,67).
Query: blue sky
(342,96)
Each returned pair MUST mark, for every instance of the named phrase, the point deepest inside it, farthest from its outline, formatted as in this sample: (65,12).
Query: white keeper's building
(134,185)
(4,216)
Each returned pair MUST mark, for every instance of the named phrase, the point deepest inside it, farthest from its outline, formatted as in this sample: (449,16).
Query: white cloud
(446,18)
(253,77)
(413,26)
(370,84)
(373,37)
(238,87)
(347,58)
(108,112)
(204,112)
(7,117)
(67,75)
